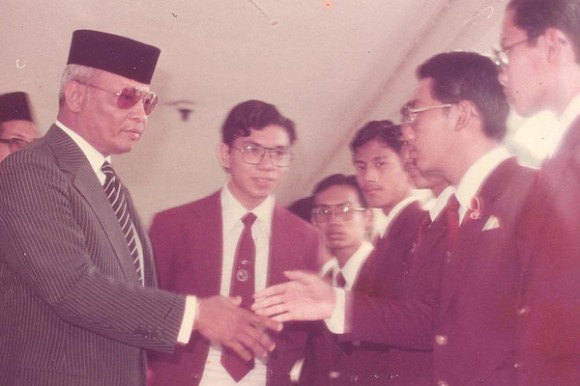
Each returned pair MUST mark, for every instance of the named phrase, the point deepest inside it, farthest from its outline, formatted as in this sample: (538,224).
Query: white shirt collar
(94,157)
(476,175)
(233,211)
(383,222)
(440,202)
(352,267)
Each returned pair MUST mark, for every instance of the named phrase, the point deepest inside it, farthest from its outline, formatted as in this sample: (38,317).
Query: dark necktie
(340,280)
(115,193)
(242,284)
(452,216)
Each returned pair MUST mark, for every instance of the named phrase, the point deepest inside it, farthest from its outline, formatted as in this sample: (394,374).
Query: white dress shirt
(440,202)
(337,321)
(232,213)
(476,175)
(352,267)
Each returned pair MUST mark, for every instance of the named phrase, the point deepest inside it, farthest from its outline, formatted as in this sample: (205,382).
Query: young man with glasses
(341,215)
(79,304)
(454,125)
(540,69)
(199,249)
(17,127)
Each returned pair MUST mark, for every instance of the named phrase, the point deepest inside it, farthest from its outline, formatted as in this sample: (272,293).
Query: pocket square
(492,223)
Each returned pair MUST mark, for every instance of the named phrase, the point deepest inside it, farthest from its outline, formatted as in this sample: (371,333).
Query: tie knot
(107,169)
(249,219)
(453,203)
(340,280)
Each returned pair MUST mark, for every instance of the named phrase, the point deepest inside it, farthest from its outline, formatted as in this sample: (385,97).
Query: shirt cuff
(336,323)
(189,316)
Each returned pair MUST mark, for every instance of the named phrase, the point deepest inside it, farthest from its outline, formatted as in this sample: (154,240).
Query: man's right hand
(222,321)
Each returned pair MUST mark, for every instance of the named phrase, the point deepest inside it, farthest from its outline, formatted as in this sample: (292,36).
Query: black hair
(469,76)
(254,115)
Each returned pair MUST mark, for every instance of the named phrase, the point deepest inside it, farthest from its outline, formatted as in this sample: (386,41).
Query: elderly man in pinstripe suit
(78,303)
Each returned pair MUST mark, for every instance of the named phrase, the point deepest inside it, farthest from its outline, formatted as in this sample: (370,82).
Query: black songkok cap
(14,106)
(119,55)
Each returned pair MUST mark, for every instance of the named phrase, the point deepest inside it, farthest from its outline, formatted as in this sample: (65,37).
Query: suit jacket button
(523,310)
(441,340)
(442,383)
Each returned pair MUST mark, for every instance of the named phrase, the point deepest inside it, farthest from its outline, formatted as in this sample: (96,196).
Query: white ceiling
(330,65)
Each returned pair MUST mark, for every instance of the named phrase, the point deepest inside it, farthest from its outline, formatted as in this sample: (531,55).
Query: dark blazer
(476,323)
(188,246)
(549,307)
(381,347)
(72,311)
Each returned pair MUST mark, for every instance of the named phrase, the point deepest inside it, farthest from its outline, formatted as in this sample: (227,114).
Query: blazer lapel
(470,233)
(208,220)
(73,162)
(280,244)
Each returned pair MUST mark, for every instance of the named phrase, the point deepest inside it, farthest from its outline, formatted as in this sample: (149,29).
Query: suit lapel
(206,232)
(470,232)
(74,163)
(280,244)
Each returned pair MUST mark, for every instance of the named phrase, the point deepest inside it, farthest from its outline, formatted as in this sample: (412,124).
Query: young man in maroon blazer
(198,245)
(341,214)
(540,69)
(454,124)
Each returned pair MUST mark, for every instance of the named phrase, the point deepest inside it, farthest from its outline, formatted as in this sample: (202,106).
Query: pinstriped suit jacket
(72,311)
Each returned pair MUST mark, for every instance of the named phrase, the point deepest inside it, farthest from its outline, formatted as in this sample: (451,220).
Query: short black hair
(340,180)
(535,16)
(384,131)
(469,76)
(254,115)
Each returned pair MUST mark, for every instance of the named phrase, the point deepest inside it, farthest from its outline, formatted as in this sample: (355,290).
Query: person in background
(539,65)
(17,126)
(201,247)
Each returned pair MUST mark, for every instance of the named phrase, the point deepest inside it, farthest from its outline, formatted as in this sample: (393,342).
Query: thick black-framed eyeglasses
(253,154)
(14,144)
(130,96)
(342,211)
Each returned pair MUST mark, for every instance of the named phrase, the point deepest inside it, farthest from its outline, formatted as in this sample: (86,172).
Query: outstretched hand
(222,321)
(305,297)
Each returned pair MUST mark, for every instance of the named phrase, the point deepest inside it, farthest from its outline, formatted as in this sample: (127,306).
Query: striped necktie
(115,192)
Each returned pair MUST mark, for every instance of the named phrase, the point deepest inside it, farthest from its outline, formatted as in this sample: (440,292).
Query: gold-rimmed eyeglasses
(409,113)
(342,211)
(501,56)
(130,96)
(253,154)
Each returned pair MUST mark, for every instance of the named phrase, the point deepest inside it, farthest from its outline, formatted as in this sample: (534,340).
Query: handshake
(221,320)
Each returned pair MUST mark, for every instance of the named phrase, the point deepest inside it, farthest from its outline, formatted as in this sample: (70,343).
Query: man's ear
(224,155)
(557,43)
(466,113)
(75,95)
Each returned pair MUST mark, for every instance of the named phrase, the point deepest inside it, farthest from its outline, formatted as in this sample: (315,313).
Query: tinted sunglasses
(130,96)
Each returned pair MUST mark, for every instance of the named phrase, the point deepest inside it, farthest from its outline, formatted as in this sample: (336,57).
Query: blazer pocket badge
(492,223)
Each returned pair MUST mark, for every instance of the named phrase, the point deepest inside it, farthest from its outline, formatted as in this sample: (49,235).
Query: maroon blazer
(549,309)
(386,314)
(187,241)
(476,323)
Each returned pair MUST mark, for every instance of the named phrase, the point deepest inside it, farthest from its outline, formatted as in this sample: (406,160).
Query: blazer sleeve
(57,246)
